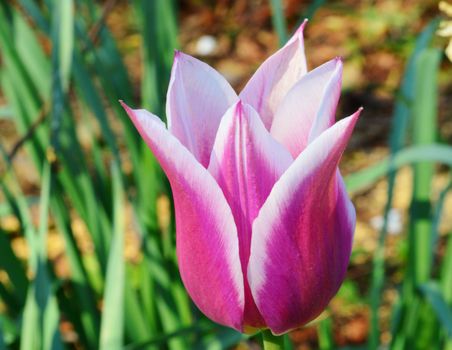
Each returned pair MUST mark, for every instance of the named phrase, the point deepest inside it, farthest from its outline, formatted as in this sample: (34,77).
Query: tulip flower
(264,226)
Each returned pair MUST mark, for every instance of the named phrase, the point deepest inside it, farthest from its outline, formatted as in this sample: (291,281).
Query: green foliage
(112,302)
(109,302)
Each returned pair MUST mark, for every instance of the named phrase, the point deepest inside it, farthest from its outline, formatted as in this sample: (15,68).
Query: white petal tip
(300,29)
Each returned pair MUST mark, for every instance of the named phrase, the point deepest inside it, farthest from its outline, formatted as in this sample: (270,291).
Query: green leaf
(111,334)
(434,153)
(14,268)
(40,329)
(279,21)
(425,115)
(432,292)
(63,38)
(325,334)
(397,140)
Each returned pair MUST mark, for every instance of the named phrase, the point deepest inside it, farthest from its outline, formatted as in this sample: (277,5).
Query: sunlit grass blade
(84,297)
(221,339)
(90,95)
(32,8)
(137,326)
(432,292)
(62,29)
(424,133)
(111,333)
(324,331)
(437,214)
(417,327)
(161,340)
(20,90)
(40,327)
(420,256)
(164,284)
(63,40)
(446,281)
(397,139)
(434,153)
(158,44)
(279,21)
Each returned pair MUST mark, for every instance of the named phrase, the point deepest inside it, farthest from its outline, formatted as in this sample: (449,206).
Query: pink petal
(197,99)
(207,244)
(246,162)
(309,108)
(303,234)
(275,77)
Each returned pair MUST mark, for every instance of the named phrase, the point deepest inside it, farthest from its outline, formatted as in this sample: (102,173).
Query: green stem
(272,342)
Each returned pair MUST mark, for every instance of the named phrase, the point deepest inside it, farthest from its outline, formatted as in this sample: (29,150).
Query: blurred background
(87,241)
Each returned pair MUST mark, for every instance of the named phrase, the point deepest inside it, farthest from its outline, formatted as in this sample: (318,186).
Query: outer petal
(309,108)
(274,78)
(303,234)
(207,244)
(197,99)
(246,162)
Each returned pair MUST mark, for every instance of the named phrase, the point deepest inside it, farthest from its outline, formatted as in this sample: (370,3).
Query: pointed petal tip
(352,119)
(358,112)
(178,55)
(300,29)
(303,25)
(181,57)
(298,34)
(339,64)
(124,105)
(130,111)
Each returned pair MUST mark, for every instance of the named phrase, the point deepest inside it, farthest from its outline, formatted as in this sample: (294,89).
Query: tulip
(264,226)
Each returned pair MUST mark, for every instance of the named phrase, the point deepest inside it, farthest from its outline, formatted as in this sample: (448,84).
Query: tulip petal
(275,77)
(197,98)
(207,243)
(303,234)
(309,108)
(246,162)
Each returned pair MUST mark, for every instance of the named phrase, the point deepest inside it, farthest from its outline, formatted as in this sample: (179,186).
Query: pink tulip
(264,223)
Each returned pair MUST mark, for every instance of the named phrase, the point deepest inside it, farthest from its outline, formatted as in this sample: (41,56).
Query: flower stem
(272,342)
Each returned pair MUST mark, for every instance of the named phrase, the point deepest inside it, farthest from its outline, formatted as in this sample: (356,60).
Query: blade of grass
(64,14)
(325,335)
(424,133)
(86,302)
(446,281)
(434,153)
(416,328)
(136,324)
(62,25)
(432,292)
(40,328)
(15,270)
(397,139)
(158,44)
(436,219)
(35,12)
(160,340)
(279,21)
(111,334)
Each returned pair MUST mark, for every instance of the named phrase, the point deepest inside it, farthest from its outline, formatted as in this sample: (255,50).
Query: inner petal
(246,162)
